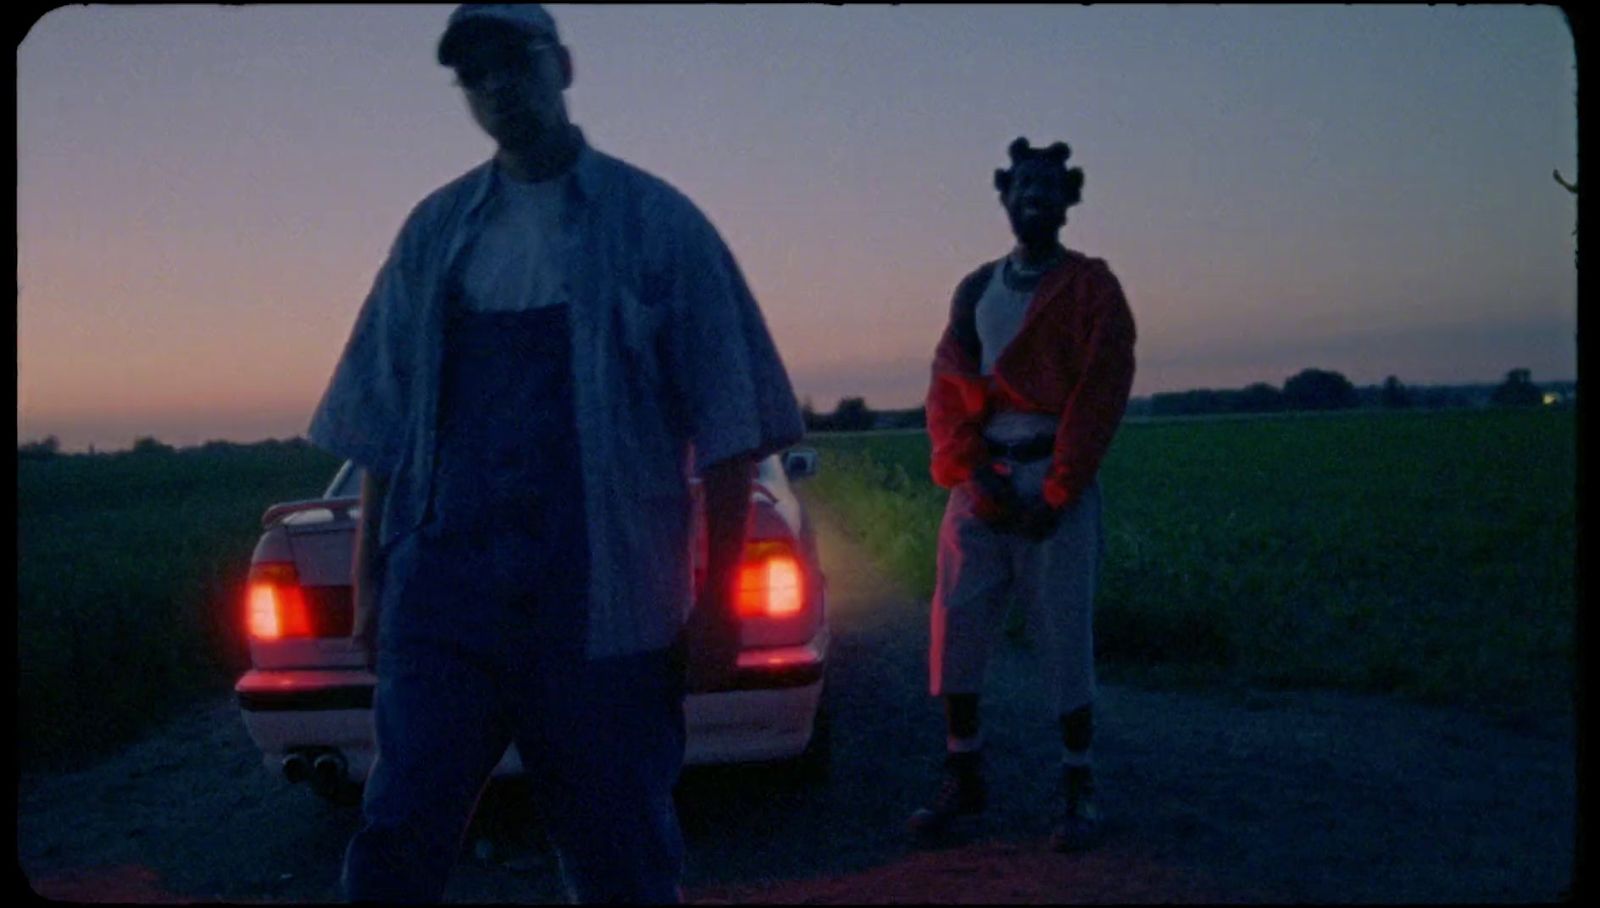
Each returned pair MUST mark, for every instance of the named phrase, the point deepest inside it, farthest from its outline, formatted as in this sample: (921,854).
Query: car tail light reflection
(780,657)
(771,584)
(276,605)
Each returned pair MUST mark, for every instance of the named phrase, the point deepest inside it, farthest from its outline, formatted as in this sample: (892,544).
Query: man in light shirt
(556,343)
(1030,381)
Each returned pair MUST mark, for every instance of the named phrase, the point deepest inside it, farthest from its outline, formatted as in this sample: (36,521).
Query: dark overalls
(482,635)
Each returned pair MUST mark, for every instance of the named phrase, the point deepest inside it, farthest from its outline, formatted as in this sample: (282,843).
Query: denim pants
(482,634)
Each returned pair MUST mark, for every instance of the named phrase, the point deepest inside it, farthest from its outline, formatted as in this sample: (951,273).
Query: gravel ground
(1211,796)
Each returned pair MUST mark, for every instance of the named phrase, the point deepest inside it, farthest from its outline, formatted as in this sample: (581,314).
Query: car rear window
(768,468)
(346,483)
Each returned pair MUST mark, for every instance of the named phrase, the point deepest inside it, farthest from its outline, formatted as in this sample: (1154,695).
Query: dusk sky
(205,193)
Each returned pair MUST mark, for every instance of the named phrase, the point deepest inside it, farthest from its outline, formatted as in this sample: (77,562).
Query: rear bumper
(766,712)
(747,725)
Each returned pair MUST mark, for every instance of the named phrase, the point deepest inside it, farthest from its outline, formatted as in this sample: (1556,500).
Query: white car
(307,699)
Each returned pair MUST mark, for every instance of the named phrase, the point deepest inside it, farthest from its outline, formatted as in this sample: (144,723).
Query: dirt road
(1211,796)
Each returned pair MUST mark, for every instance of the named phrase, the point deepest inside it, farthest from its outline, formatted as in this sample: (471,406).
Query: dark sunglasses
(511,64)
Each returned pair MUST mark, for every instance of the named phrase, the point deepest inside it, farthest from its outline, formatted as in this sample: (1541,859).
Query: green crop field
(1425,554)
(130,580)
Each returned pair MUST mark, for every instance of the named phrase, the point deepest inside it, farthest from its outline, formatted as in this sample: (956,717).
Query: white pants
(1055,578)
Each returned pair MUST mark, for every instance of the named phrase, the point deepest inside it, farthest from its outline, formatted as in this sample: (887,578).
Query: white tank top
(998,318)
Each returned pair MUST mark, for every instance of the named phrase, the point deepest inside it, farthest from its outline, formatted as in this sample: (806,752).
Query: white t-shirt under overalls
(515,263)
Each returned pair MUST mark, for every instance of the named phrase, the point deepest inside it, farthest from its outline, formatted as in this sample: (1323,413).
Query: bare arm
(714,627)
(368,568)
(727,486)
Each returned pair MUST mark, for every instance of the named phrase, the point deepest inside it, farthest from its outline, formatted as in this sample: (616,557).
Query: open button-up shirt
(674,370)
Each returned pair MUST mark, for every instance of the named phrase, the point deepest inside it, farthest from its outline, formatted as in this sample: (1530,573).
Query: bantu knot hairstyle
(1056,155)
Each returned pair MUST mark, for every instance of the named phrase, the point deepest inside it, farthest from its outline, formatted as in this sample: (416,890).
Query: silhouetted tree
(851,415)
(1518,390)
(43,449)
(1395,396)
(1258,398)
(814,421)
(1319,389)
(149,445)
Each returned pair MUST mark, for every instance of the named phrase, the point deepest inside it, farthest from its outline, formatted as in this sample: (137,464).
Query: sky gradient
(205,193)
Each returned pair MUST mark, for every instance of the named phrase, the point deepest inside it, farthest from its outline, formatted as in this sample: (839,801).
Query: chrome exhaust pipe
(296,768)
(328,772)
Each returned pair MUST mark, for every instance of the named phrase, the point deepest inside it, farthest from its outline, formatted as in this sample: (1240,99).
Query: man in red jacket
(1030,380)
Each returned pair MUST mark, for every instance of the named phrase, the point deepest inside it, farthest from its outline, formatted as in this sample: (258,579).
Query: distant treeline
(50,446)
(1307,390)
(1318,389)
(853,415)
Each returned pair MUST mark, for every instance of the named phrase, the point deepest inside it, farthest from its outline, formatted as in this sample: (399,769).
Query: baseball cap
(470,19)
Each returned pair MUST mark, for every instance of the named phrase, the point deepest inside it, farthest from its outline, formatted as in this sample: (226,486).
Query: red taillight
(275,604)
(771,583)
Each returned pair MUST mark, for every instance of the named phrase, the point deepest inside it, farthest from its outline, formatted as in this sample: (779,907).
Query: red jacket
(1072,357)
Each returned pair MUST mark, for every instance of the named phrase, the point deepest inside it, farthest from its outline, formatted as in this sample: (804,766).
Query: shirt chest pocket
(640,321)
(640,325)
